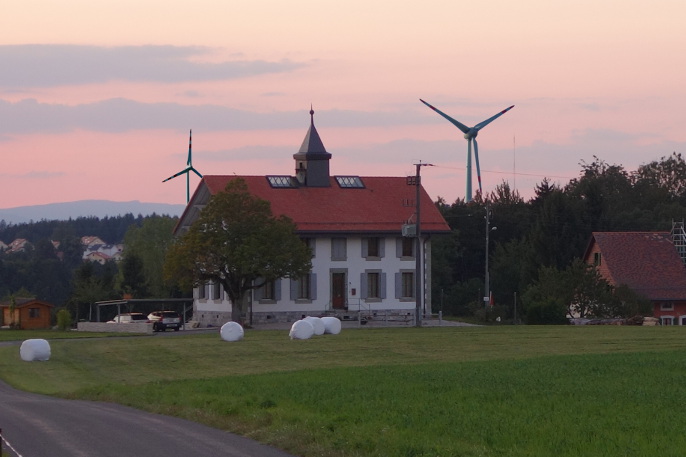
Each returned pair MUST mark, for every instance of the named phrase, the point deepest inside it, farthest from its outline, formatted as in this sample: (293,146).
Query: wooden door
(338,290)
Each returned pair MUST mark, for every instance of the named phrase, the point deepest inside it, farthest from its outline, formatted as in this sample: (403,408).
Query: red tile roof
(383,205)
(647,262)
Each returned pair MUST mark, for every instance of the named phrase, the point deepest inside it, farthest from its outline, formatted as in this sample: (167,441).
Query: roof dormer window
(352,182)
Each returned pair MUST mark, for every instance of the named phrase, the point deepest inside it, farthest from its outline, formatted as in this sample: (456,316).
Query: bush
(547,311)
(63,319)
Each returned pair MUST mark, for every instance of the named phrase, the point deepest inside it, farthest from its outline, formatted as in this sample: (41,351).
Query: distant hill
(86,208)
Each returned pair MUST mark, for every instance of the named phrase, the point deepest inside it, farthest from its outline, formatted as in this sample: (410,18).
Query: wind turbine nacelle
(472,133)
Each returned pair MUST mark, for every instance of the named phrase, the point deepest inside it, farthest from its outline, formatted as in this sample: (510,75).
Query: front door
(338,290)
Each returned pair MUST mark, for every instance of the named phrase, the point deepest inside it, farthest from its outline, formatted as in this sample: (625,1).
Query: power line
(507,172)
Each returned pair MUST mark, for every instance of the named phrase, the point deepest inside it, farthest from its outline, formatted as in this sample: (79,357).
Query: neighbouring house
(97,257)
(361,261)
(18,245)
(95,249)
(649,263)
(91,240)
(28,313)
(3,246)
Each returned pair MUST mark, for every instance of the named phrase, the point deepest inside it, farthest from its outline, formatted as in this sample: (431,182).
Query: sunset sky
(97,98)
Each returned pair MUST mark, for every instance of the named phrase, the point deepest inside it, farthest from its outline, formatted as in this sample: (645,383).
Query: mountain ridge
(86,208)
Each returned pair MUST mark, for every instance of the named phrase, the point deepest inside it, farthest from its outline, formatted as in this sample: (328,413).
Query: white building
(361,262)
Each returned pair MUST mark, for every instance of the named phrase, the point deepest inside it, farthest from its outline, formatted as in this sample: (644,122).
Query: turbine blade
(195,171)
(478,169)
(190,142)
(456,123)
(178,174)
(483,124)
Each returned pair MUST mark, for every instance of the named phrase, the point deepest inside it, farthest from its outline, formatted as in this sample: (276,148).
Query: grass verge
(489,391)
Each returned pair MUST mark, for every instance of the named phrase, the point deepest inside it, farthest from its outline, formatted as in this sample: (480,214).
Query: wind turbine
(187,170)
(470,134)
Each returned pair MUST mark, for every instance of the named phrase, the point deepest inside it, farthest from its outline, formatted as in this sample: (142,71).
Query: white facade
(344,281)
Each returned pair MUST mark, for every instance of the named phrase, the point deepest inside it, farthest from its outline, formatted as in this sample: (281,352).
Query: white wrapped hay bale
(35,349)
(332,325)
(317,324)
(231,331)
(301,330)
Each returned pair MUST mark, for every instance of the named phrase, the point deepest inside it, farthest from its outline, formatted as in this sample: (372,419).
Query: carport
(146,306)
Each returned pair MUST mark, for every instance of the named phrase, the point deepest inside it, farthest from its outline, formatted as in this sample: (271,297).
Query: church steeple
(312,160)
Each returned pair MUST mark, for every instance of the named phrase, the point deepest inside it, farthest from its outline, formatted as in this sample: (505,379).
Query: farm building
(361,261)
(649,263)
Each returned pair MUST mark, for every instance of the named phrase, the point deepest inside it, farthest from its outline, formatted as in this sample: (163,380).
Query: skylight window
(354,182)
(282,182)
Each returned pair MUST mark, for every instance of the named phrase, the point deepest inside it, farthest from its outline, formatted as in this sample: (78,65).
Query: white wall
(322,265)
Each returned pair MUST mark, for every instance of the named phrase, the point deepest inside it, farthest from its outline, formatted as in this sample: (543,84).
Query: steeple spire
(312,160)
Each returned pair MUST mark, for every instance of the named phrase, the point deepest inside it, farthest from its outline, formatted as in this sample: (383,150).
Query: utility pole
(419,257)
(487,285)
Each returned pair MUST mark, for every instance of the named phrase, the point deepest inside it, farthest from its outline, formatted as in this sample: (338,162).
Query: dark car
(162,320)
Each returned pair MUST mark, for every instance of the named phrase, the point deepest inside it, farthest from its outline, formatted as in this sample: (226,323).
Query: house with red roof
(361,261)
(646,262)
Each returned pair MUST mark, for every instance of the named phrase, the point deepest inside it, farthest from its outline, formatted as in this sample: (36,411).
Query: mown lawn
(454,391)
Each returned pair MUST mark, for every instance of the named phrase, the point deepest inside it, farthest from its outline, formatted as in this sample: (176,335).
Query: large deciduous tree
(237,242)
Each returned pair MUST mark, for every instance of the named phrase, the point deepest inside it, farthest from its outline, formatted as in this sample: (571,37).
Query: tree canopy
(237,242)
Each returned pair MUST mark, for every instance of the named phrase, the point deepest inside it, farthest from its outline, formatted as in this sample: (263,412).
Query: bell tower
(312,160)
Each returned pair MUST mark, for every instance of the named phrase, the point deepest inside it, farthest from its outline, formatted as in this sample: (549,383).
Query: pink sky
(96,98)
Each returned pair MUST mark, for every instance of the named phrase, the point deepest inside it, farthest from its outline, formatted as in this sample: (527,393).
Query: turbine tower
(187,170)
(470,134)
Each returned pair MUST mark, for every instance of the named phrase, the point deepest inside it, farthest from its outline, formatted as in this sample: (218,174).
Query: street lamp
(487,285)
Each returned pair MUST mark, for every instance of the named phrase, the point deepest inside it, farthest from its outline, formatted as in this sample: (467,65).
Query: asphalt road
(43,426)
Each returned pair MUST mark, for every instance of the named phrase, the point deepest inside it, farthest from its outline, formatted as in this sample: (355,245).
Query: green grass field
(451,391)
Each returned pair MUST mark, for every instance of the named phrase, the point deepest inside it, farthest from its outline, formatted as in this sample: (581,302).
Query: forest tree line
(540,241)
(534,255)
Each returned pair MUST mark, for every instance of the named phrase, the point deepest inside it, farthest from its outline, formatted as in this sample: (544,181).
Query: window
(666,306)
(310,243)
(269,292)
(338,249)
(304,288)
(201,290)
(34,313)
(372,248)
(216,291)
(667,320)
(285,182)
(597,259)
(350,182)
(373,285)
(404,285)
(405,247)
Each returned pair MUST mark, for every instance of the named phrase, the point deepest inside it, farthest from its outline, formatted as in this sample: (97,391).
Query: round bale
(317,324)
(231,331)
(301,330)
(35,349)
(332,325)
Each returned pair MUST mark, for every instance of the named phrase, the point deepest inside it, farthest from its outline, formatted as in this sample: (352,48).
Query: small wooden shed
(28,313)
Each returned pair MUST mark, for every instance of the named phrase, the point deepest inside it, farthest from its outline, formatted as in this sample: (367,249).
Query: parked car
(162,320)
(127,318)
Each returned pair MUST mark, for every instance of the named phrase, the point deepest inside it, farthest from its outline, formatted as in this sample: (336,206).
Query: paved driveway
(38,425)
